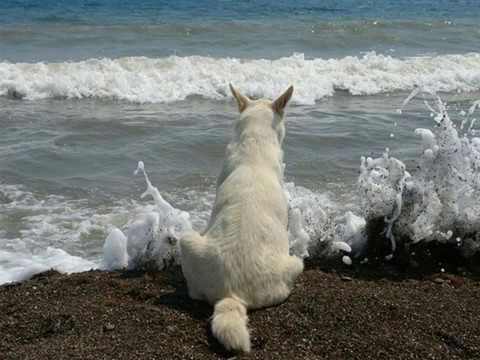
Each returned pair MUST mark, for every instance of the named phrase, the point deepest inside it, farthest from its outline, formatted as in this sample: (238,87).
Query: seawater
(87,89)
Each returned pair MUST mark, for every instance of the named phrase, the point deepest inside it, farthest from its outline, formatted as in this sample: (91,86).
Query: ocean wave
(174,78)
(17,267)
(39,232)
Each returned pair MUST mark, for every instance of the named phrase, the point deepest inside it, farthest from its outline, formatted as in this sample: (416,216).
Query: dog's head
(263,113)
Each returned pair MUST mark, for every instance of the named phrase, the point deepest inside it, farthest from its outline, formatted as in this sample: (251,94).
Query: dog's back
(243,256)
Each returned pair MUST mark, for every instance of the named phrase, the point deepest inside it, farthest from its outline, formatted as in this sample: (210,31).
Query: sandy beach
(339,314)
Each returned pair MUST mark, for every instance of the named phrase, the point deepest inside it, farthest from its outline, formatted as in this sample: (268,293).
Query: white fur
(242,259)
(229,324)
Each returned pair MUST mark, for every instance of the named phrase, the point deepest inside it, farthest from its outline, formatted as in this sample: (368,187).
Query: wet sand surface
(339,314)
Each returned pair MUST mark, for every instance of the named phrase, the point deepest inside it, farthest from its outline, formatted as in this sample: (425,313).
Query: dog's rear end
(242,260)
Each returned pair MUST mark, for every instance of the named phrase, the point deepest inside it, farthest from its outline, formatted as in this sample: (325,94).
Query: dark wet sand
(331,315)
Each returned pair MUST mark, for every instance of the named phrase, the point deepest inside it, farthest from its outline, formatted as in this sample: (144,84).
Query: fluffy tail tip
(229,325)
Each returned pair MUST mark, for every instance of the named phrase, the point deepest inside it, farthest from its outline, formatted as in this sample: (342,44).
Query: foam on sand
(39,232)
(20,266)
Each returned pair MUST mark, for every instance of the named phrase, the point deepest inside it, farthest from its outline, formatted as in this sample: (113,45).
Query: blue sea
(88,88)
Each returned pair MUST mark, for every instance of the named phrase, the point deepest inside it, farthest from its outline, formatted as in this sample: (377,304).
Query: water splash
(440,201)
(316,226)
(151,239)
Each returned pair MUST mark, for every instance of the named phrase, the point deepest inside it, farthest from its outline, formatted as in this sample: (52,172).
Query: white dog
(242,259)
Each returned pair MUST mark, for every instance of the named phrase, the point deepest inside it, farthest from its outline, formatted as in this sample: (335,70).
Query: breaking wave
(174,78)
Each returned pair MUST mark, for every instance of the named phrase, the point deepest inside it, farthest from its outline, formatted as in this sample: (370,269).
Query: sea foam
(20,266)
(151,238)
(437,201)
(174,78)
(440,200)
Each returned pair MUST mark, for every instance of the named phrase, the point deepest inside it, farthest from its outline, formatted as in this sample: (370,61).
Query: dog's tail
(229,324)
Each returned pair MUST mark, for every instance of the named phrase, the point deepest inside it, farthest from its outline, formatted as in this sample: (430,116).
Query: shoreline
(338,314)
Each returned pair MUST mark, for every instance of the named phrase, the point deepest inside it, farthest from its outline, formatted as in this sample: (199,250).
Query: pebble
(108,326)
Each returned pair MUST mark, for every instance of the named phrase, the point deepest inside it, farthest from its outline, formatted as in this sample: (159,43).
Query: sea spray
(440,201)
(151,239)
(298,238)
(115,254)
(382,182)
(315,228)
(437,203)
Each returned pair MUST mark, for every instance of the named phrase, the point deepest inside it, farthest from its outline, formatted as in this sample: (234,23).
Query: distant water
(53,30)
(88,88)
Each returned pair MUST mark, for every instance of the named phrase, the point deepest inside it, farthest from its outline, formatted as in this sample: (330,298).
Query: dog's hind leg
(193,249)
(289,267)
(292,267)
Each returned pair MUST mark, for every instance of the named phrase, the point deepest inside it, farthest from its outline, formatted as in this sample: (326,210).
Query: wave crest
(159,80)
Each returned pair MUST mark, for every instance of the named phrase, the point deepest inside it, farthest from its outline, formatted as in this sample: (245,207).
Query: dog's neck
(255,143)
(257,146)
(258,137)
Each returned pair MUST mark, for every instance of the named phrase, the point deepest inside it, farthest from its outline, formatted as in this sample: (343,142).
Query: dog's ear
(242,100)
(282,101)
